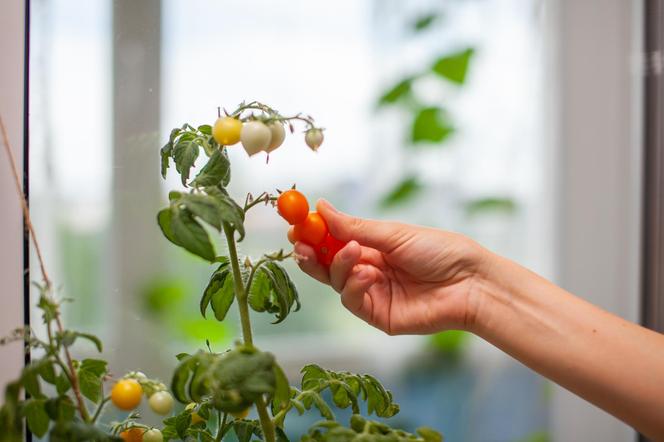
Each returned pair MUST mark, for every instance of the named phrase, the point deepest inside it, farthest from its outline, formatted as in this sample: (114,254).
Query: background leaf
(431,125)
(454,67)
(397,92)
(406,190)
(491,204)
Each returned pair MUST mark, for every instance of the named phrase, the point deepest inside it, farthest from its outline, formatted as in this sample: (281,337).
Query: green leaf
(215,172)
(164,218)
(60,408)
(259,292)
(185,153)
(491,204)
(431,125)
(206,129)
(47,372)
(191,235)
(90,385)
(429,434)
(230,211)
(451,343)
(283,293)
(165,154)
(282,390)
(62,384)
(30,380)
(220,292)
(36,416)
(404,191)
(245,429)
(425,21)
(397,92)
(454,67)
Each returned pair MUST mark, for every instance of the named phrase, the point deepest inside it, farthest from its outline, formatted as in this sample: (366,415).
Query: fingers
(354,295)
(306,259)
(343,263)
(380,235)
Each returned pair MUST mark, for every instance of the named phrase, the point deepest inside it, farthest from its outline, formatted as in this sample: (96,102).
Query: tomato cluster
(257,135)
(309,227)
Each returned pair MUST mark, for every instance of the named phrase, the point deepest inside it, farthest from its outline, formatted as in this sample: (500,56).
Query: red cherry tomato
(312,231)
(293,206)
(326,251)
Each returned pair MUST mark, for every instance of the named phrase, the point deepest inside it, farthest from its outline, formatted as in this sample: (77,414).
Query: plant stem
(240,292)
(100,407)
(242,300)
(47,281)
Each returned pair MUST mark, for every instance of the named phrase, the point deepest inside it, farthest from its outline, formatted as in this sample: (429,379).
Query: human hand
(400,278)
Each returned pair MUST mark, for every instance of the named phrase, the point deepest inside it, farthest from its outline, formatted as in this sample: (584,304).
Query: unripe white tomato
(161,402)
(278,135)
(153,435)
(314,138)
(255,137)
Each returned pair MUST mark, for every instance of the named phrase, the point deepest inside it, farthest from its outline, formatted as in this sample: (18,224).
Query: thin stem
(240,293)
(24,203)
(47,281)
(100,407)
(74,378)
(264,198)
(242,300)
(266,422)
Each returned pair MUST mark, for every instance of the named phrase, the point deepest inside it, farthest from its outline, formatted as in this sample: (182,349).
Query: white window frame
(596,154)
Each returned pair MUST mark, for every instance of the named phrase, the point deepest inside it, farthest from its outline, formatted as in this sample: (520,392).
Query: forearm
(615,364)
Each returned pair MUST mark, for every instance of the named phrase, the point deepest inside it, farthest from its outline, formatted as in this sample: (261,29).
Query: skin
(406,279)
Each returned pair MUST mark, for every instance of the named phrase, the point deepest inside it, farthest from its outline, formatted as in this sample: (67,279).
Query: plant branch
(47,281)
(242,300)
(100,407)
(24,203)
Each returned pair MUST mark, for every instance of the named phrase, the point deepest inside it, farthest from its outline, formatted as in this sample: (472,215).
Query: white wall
(11,238)
(596,113)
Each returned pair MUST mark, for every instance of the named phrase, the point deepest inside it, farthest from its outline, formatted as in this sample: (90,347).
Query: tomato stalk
(243,304)
(71,373)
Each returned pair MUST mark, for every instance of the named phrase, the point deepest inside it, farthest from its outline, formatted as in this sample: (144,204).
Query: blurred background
(440,113)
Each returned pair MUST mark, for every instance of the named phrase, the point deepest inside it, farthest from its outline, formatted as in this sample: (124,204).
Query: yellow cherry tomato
(226,130)
(126,394)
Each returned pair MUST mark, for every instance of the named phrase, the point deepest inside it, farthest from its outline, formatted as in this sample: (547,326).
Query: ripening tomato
(126,394)
(293,206)
(226,131)
(255,137)
(134,434)
(240,414)
(153,435)
(312,230)
(314,138)
(278,135)
(326,251)
(161,402)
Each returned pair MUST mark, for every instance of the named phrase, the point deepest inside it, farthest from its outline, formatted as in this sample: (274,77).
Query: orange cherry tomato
(326,251)
(132,435)
(312,231)
(126,394)
(293,206)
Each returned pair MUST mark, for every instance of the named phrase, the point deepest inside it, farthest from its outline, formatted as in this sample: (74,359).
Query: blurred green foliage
(167,301)
(431,125)
(538,436)
(449,343)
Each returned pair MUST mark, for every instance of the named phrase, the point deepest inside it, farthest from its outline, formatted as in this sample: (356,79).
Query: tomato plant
(216,390)
(293,206)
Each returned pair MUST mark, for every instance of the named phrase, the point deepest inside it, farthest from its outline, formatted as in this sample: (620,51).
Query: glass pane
(460,148)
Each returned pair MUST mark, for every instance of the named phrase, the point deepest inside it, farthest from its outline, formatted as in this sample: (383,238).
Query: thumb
(380,235)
